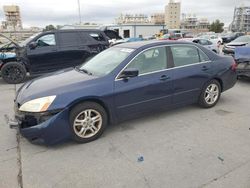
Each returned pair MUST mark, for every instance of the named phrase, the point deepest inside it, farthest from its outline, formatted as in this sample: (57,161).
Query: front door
(44,57)
(151,89)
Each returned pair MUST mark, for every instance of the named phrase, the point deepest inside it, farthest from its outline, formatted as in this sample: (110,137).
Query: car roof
(72,30)
(147,44)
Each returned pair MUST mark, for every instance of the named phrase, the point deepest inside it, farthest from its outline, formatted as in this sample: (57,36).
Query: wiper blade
(83,70)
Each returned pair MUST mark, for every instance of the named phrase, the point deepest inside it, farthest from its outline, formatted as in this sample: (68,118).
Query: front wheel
(210,94)
(13,73)
(88,121)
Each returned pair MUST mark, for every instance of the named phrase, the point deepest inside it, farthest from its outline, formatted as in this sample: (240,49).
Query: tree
(217,26)
(49,28)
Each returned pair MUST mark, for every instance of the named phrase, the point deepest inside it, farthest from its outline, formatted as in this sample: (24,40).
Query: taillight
(234,66)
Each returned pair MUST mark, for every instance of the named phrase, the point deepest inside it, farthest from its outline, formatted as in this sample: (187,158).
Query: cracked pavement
(187,147)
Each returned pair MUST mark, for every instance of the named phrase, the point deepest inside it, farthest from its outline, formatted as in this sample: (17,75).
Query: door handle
(164,77)
(204,68)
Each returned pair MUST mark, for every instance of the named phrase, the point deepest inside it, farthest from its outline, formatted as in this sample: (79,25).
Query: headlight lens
(38,105)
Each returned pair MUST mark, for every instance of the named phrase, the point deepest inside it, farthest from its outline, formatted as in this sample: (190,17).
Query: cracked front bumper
(48,129)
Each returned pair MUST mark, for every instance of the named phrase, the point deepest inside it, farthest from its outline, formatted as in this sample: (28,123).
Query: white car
(213,38)
(204,42)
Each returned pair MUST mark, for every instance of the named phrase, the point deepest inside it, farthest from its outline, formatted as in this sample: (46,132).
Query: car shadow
(130,124)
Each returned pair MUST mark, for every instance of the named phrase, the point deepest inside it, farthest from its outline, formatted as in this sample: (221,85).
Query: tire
(210,94)
(13,73)
(88,121)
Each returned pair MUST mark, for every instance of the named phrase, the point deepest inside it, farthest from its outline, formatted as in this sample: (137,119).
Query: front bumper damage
(43,128)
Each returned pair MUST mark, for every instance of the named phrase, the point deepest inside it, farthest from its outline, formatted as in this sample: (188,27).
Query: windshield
(242,39)
(26,41)
(106,61)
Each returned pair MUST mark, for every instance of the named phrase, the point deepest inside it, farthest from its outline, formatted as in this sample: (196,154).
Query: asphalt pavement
(189,147)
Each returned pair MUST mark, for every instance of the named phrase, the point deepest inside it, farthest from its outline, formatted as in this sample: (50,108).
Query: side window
(46,40)
(203,42)
(184,55)
(209,42)
(97,36)
(203,56)
(149,61)
(68,39)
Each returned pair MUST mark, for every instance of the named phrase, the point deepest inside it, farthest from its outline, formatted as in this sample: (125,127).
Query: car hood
(52,84)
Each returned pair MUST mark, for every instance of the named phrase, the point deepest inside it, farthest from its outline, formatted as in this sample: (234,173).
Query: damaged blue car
(122,82)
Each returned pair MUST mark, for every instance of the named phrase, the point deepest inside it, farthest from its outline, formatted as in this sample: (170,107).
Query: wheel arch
(95,100)
(220,82)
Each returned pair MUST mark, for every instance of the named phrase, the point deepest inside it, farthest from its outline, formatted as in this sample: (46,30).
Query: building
(132,18)
(137,30)
(158,18)
(241,19)
(172,15)
(13,20)
(191,23)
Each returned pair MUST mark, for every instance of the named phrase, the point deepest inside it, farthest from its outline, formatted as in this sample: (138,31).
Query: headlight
(37,105)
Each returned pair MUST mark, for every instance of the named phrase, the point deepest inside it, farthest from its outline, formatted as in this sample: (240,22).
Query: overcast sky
(59,12)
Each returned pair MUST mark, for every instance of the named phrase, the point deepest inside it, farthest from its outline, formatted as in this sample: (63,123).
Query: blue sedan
(122,82)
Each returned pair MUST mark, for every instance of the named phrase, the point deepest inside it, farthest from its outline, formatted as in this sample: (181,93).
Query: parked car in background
(170,37)
(204,42)
(7,50)
(242,57)
(132,39)
(53,50)
(215,39)
(229,48)
(122,82)
(231,36)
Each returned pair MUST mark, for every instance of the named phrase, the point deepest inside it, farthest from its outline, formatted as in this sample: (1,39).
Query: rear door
(70,53)
(192,69)
(151,90)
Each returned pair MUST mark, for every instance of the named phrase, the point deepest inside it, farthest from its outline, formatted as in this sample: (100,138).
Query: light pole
(79,11)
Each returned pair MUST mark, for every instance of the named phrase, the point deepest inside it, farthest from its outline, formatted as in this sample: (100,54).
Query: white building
(136,30)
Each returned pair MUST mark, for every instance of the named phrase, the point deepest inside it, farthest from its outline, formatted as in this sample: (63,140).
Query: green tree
(49,28)
(217,26)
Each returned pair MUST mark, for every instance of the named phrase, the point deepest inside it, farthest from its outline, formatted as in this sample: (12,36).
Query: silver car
(204,42)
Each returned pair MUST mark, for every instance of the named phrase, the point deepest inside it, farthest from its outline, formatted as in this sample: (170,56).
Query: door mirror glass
(32,45)
(129,73)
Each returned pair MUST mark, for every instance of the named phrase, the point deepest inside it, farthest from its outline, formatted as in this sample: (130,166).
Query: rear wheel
(210,94)
(88,121)
(13,73)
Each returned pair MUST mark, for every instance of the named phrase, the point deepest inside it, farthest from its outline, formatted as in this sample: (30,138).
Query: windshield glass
(26,41)
(242,39)
(106,61)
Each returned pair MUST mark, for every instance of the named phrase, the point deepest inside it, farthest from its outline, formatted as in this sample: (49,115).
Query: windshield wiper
(83,70)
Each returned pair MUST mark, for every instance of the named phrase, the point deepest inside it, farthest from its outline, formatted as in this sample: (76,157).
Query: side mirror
(129,73)
(32,45)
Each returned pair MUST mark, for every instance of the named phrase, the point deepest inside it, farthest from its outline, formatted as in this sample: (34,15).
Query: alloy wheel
(212,94)
(87,123)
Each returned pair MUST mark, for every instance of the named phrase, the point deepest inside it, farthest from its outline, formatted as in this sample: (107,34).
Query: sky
(60,12)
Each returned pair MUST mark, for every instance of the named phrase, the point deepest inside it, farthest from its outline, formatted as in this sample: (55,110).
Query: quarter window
(46,40)
(203,56)
(149,61)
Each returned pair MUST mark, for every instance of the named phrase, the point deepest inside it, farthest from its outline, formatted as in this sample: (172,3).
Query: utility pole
(79,11)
